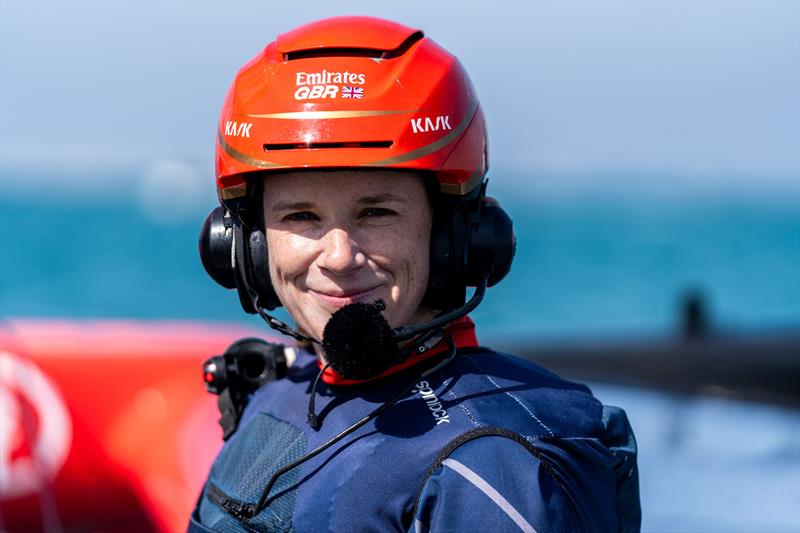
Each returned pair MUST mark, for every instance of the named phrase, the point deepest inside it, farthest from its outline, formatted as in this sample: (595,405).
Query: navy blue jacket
(488,442)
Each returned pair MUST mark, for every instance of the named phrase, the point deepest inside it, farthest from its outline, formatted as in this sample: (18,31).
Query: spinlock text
(439,413)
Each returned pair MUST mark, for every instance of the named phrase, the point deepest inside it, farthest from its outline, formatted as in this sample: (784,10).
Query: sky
(690,92)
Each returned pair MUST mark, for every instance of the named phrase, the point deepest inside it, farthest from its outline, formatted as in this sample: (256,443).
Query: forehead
(342,185)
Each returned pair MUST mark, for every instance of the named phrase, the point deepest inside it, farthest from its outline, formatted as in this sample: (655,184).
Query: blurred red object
(105,425)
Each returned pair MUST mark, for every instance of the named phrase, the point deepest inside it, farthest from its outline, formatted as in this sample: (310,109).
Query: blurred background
(649,154)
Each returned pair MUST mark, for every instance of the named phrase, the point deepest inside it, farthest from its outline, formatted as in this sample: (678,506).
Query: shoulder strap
(477,433)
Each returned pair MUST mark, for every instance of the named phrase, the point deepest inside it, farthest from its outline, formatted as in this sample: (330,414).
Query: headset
(472,243)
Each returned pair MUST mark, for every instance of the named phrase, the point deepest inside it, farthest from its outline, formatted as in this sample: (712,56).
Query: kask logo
(237,129)
(426,124)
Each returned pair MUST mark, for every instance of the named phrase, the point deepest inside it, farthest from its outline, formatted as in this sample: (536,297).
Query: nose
(340,252)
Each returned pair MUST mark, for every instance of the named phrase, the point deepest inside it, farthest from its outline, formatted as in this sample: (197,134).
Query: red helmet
(352,92)
(356,92)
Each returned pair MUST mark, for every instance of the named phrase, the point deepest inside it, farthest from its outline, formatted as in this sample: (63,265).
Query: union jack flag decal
(352,92)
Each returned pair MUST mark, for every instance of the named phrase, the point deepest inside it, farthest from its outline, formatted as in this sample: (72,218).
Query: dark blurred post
(694,315)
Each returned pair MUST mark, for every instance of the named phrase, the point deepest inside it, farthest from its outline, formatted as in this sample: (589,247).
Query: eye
(376,212)
(300,216)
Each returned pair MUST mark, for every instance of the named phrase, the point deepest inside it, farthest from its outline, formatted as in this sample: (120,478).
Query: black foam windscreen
(358,342)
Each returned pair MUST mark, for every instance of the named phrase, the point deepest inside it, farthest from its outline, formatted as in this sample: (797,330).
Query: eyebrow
(365,200)
(380,198)
(291,206)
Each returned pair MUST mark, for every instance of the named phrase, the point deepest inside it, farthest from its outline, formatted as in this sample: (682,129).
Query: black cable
(312,412)
(239,249)
(406,332)
(279,325)
(246,510)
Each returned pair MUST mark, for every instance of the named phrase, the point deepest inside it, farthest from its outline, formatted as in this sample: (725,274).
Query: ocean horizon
(592,260)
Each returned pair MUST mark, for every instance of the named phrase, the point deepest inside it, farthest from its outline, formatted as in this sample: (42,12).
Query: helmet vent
(312,145)
(356,52)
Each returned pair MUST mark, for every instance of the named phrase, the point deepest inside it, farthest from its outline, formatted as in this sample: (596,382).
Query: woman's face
(338,237)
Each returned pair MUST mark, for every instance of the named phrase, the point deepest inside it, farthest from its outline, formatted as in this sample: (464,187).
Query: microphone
(359,344)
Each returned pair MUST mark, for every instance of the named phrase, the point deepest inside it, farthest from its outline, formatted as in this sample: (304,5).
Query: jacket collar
(461,330)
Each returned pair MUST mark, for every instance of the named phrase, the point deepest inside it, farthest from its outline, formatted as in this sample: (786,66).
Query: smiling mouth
(340,300)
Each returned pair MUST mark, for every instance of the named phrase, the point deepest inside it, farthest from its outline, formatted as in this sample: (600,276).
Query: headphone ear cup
(466,245)
(259,266)
(240,258)
(236,262)
(215,246)
(446,287)
(492,244)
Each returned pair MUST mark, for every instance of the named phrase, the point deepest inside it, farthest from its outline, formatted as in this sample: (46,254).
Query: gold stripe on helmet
(237,191)
(242,157)
(316,115)
(461,189)
(422,151)
(448,188)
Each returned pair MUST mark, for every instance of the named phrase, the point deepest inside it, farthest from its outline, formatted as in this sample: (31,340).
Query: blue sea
(588,263)
(592,262)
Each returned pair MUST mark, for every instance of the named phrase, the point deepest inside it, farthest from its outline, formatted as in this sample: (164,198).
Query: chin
(321,308)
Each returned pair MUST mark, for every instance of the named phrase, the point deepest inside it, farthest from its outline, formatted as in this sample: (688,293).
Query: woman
(351,158)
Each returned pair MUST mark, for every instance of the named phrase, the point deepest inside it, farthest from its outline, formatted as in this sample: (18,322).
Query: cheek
(406,252)
(419,268)
(418,253)
(288,257)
